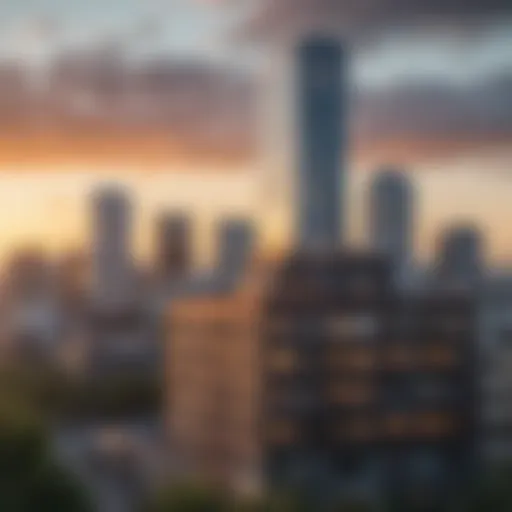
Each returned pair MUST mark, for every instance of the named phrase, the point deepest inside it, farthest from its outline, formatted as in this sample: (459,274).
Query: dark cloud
(425,110)
(362,17)
(212,111)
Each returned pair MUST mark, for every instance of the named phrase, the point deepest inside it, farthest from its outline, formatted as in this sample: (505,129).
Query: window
(359,326)
(432,389)
(358,429)
(400,357)
(397,425)
(362,286)
(352,358)
(283,360)
(282,433)
(454,325)
(434,424)
(279,327)
(439,356)
(351,394)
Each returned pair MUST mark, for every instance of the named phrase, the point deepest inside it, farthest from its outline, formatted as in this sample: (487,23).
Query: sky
(440,78)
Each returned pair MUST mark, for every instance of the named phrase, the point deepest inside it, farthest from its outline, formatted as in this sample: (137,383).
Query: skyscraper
(174,245)
(112,279)
(391,218)
(235,246)
(321,128)
(460,259)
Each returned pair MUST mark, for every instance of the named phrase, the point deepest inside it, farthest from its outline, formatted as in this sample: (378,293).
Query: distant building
(72,279)
(32,320)
(235,249)
(321,90)
(27,275)
(112,262)
(460,258)
(391,221)
(173,246)
(123,342)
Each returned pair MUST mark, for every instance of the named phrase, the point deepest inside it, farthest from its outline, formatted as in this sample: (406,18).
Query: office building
(322,115)
(391,221)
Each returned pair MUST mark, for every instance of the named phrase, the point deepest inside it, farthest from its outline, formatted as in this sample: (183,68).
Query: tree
(493,493)
(188,497)
(30,480)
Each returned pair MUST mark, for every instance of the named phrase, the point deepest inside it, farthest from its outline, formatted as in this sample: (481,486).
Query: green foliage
(60,396)
(30,481)
(52,489)
(352,505)
(188,497)
(493,493)
(194,498)
(276,502)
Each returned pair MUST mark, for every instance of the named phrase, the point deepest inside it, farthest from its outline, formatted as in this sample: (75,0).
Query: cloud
(360,18)
(211,112)
(419,120)
(436,110)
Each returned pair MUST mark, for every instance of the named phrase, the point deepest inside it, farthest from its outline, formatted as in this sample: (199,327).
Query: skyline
(64,199)
(436,100)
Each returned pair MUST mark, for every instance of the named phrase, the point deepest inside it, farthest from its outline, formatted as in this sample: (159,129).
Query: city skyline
(425,107)
(68,204)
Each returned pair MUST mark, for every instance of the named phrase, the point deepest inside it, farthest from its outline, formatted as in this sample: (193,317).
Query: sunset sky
(434,92)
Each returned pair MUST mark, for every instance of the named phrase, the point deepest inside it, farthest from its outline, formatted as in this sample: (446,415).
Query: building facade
(213,386)
(363,386)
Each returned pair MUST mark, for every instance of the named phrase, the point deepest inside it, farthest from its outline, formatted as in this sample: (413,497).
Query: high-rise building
(235,247)
(391,218)
(372,383)
(173,246)
(28,275)
(112,256)
(460,258)
(321,89)
(213,386)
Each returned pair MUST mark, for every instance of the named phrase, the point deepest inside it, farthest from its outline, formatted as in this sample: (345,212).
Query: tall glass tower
(321,107)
